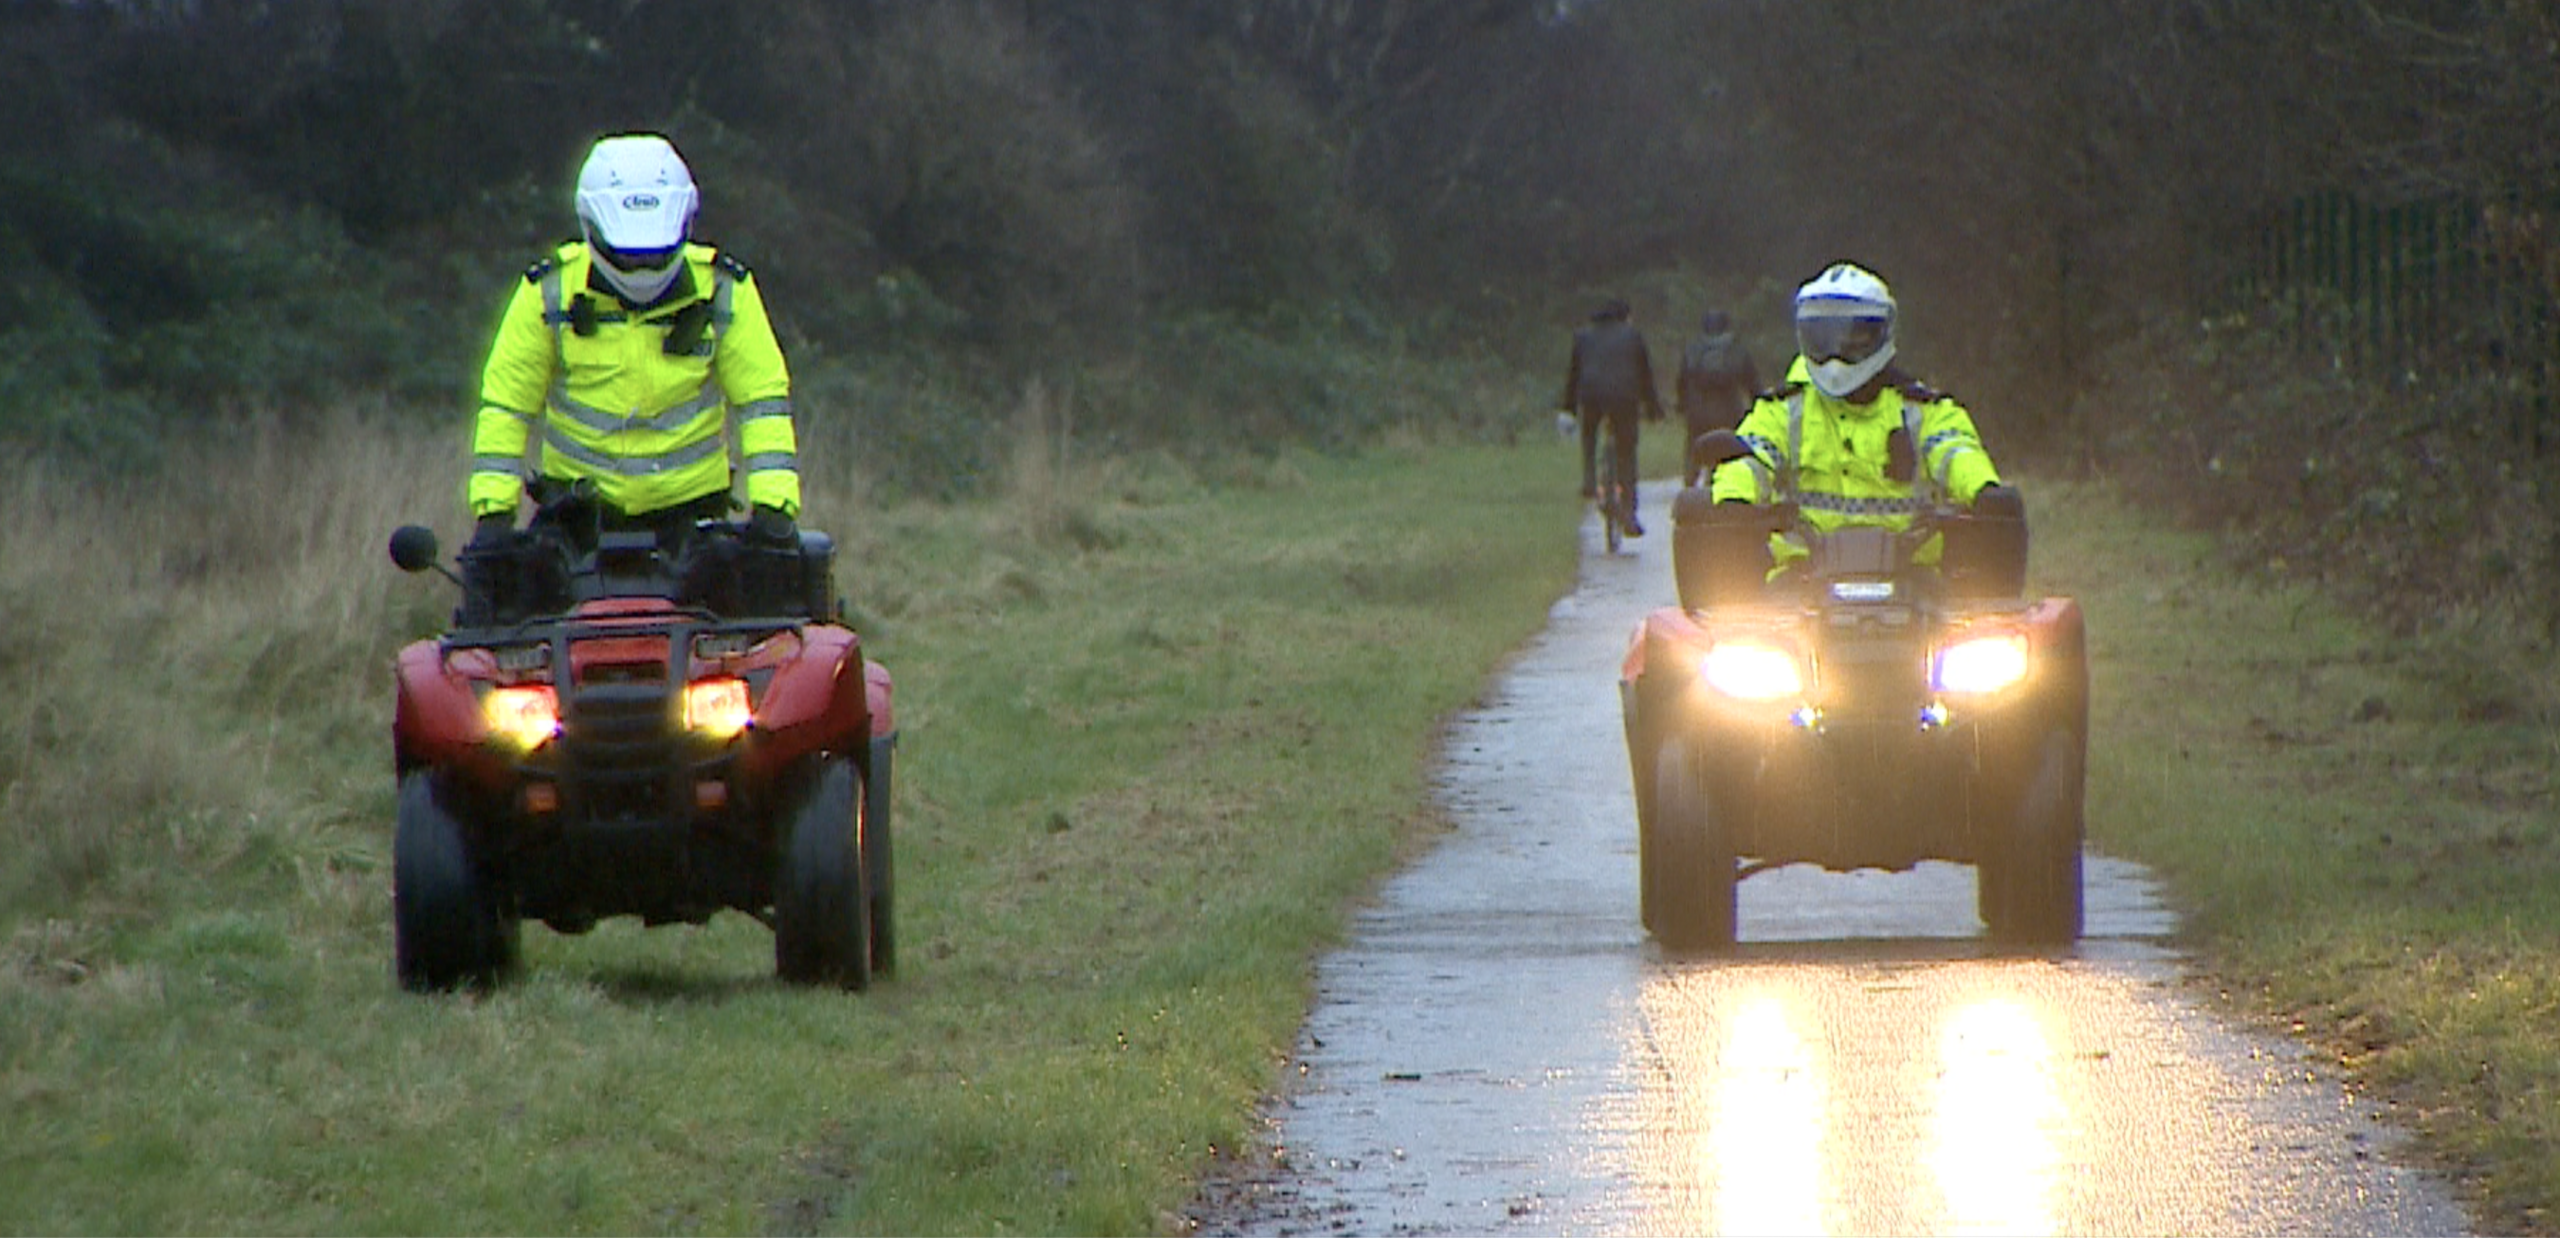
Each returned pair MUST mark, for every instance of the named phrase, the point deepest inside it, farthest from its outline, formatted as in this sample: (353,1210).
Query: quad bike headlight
(1749,671)
(719,708)
(525,715)
(1983,664)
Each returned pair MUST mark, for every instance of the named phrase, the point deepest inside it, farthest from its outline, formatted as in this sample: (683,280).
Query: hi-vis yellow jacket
(1837,460)
(638,399)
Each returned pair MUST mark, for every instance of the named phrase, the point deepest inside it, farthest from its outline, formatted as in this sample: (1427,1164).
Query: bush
(949,138)
(2409,496)
(176,313)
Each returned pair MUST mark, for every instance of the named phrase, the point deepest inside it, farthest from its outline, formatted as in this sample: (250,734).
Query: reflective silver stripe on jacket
(632,466)
(720,283)
(509,465)
(1924,488)
(664,421)
(1795,446)
(768,461)
(1945,471)
(1763,479)
(1763,473)
(763,408)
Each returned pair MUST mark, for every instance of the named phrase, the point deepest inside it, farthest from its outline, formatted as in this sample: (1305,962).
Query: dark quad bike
(616,727)
(1863,711)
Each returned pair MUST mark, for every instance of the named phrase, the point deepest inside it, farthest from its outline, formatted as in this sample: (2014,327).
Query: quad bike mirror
(1986,549)
(413,547)
(1718,446)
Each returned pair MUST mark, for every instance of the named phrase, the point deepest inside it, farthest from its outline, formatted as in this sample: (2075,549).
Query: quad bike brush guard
(591,740)
(1863,710)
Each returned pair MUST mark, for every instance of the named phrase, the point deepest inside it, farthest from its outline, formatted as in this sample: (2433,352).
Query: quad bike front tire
(2030,887)
(1640,751)
(879,860)
(1690,901)
(448,930)
(821,893)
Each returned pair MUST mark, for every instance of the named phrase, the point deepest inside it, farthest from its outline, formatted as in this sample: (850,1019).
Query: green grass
(1159,732)
(1156,736)
(2358,829)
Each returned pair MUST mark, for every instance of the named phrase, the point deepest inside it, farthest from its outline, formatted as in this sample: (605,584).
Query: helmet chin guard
(1844,328)
(639,284)
(1838,378)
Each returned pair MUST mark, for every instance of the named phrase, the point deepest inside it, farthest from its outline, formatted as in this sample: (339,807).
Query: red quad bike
(617,726)
(1862,711)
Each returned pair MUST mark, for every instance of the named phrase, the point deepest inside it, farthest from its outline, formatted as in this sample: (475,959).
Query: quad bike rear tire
(1689,902)
(822,891)
(447,927)
(2029,890)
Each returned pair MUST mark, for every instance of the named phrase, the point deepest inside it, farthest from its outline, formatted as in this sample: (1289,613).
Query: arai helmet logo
(640,202)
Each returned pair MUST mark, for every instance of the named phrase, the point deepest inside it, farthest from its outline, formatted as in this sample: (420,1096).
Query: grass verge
(2358,830)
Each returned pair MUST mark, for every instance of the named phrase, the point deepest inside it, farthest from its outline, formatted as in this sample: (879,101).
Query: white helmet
(1844,327)
(635,204)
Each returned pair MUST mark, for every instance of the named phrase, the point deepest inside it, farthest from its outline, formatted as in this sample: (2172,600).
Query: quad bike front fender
(828,699)
(437,721)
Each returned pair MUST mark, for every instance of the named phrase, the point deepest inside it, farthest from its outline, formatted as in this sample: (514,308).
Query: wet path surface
(1501,1048)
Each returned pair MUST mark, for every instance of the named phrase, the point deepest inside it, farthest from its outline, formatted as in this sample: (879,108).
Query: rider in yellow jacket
(1848,437)
(629,352)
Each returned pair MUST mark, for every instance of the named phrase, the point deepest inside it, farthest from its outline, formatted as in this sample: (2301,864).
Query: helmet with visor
(636,202)
(1844,328)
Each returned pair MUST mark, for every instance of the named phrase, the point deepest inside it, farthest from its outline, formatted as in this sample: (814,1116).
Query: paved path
(1501,1049)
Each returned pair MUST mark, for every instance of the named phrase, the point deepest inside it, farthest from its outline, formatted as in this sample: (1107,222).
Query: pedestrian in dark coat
(1717,381)
(1611,377)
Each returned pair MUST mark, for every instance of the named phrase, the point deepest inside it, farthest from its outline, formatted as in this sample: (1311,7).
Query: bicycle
(1616,512)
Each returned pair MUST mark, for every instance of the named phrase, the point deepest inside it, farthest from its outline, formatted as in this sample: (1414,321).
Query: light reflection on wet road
(1500,1048)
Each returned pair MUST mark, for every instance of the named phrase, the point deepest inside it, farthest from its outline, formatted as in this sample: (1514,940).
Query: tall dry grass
(197,670)
(1050,496)
(195,666)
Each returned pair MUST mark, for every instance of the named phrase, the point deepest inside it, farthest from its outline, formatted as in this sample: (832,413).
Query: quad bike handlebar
(573,550)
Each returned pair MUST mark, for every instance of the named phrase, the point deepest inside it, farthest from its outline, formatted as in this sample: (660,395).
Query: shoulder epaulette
(1922,393)
(553,261)
(1779,392)
(729,265)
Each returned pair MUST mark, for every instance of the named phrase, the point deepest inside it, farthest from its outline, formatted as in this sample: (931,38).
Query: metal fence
(2425,291)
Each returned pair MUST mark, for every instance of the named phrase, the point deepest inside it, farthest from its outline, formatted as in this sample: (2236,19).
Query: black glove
(494,530)
(771,526)
(1999,503)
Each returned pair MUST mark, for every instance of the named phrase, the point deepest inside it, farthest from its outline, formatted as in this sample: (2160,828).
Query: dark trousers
(1622,422)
